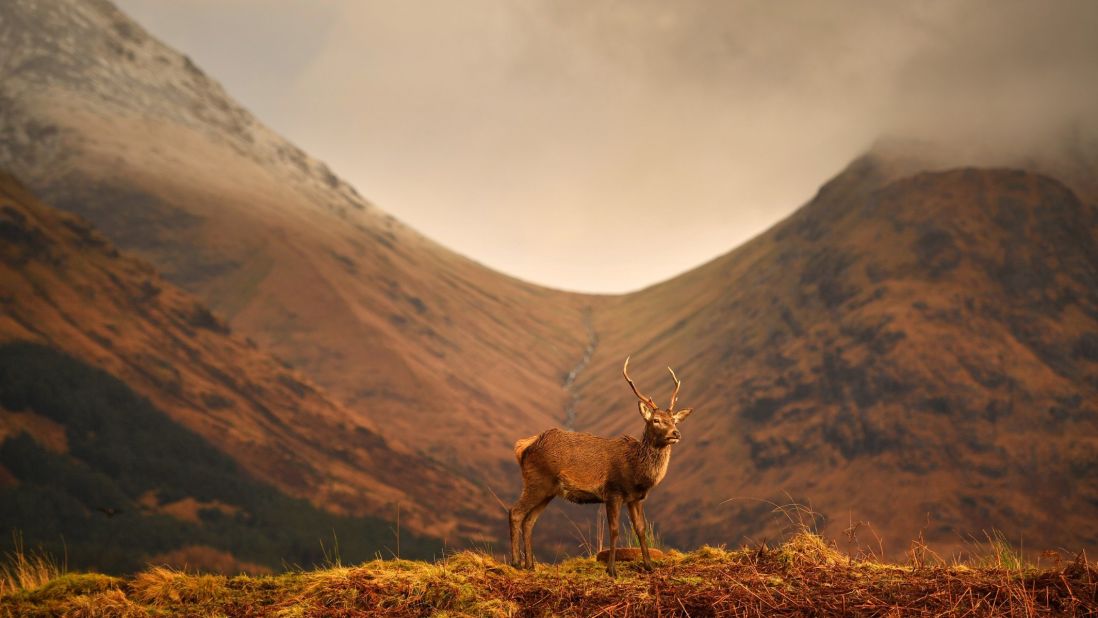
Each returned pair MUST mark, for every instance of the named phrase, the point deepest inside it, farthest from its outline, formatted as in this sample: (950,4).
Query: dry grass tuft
(109,604)
(65,586)
(161,586)
(804,576)
(806,548)
(402,587)
(23,571)
(702,555)
(476,563)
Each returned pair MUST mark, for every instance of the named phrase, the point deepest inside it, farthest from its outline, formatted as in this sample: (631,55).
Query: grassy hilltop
(803,576)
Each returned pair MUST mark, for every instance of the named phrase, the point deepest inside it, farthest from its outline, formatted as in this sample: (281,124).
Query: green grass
(806,575)
(1001,554)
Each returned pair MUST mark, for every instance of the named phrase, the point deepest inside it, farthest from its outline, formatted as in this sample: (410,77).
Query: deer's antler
(645,398)
(674,395)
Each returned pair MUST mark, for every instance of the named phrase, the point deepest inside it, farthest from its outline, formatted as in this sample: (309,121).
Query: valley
(914,348)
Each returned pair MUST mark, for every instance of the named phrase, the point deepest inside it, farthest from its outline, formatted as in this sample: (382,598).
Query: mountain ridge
(859,330)
(65,286)
(819,356)
(160,160)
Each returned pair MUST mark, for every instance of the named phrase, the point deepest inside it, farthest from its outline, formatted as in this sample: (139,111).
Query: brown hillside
(918,351)
(63,285)
(921,354)
(102,120)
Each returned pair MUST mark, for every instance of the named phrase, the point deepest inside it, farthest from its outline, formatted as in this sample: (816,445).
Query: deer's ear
(645,411)
(682,414)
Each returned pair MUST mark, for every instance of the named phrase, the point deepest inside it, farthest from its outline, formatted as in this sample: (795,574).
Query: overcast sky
(604,145)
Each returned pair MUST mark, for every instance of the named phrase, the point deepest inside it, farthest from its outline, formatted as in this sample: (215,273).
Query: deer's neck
(652,460)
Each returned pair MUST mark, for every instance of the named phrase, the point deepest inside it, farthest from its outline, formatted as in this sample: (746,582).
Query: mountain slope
(67,288)
(98,475)
(916,353)
(915,350)
(102,120)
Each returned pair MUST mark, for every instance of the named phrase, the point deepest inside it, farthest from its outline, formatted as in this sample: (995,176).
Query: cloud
(606,144)
(933,70)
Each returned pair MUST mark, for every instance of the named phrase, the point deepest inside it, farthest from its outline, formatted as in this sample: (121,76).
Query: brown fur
(522,445)
(584,468)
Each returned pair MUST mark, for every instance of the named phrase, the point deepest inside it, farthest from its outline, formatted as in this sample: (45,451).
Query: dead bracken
(804,576)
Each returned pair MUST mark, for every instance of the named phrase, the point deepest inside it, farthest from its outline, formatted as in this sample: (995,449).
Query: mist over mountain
(913,347)
(544,138)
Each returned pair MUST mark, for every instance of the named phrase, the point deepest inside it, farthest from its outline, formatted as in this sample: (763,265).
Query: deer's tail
(522,445)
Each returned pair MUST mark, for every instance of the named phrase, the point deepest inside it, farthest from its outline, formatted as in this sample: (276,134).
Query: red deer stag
(584,469)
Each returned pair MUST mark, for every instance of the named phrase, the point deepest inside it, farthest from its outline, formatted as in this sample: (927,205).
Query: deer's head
(661,426)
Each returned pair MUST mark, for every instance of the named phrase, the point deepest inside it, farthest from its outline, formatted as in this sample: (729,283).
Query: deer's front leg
(636,515)
(613,509)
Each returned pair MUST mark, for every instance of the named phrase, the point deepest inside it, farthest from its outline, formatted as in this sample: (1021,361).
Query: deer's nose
(675,434)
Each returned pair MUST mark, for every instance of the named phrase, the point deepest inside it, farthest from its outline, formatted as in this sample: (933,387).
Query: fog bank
(604,145)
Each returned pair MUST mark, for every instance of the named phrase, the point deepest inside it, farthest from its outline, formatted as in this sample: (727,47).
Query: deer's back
(580,461)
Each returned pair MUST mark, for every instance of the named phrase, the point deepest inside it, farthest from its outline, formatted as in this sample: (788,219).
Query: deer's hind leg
(528,529)
(613,511)
(522,516)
